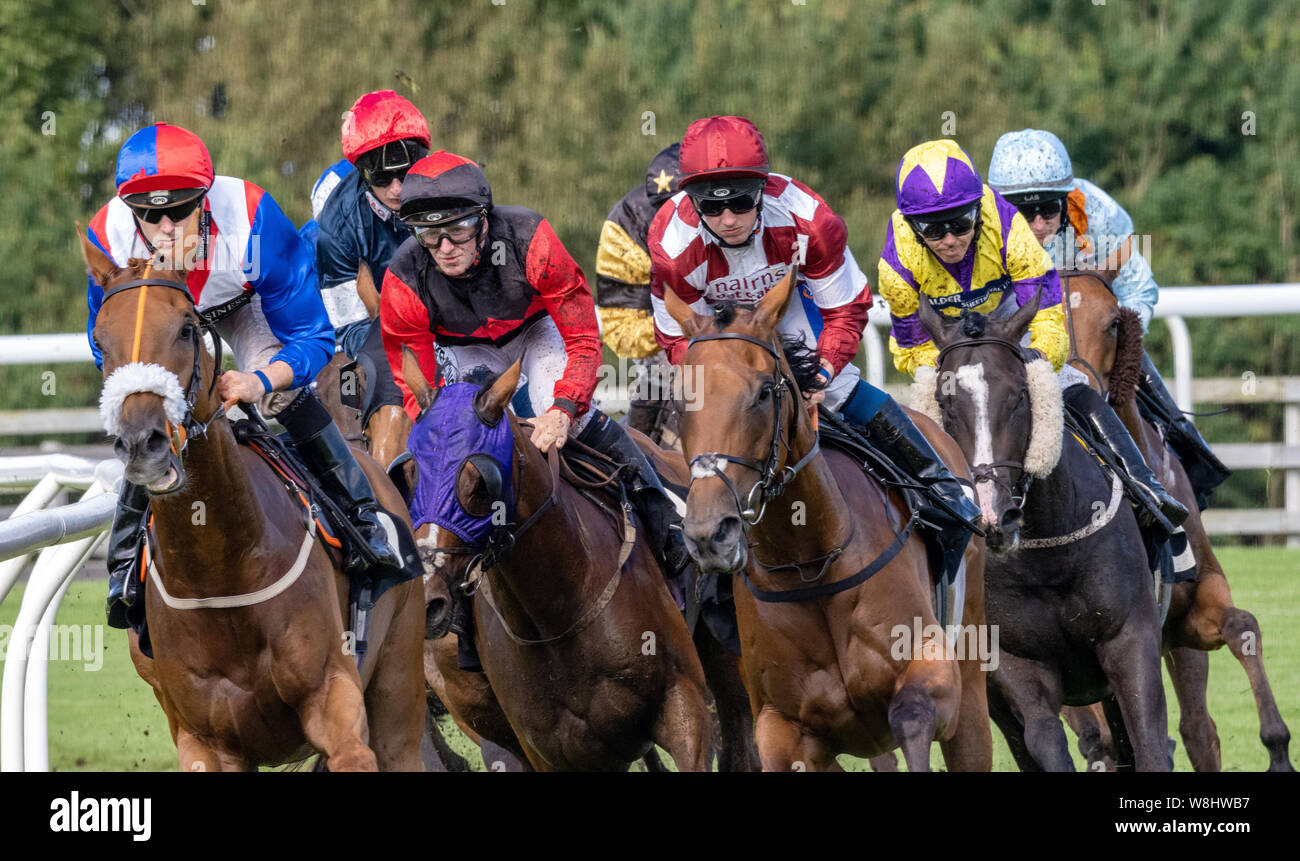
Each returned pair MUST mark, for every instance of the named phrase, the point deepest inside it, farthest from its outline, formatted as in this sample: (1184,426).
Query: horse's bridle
(189,426)
(771,480)
(987,472)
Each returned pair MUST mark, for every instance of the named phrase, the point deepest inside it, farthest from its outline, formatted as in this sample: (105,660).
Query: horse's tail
(1127,370)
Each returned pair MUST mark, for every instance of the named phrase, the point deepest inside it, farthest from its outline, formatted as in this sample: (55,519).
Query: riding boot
(1156,510)
(124,552)
(657,511)
(1204,471)
(325,452)
(462,625)
(945,505)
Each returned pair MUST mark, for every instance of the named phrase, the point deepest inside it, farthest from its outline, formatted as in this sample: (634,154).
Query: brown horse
(586,653)
(836,673)
(252,664)
(1107,345)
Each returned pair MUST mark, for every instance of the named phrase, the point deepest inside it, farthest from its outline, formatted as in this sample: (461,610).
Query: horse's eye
(187,332)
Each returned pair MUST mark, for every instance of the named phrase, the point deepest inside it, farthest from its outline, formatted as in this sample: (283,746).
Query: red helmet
(722,146)
(163,158)
(378,118)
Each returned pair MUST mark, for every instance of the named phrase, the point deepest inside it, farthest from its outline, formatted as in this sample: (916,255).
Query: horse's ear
(935,322)
(366,289)
(772,306)
(490,404)
(1017,324)
(414,378)
(101,265)
(685,316)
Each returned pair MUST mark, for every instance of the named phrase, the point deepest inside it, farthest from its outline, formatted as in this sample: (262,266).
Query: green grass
(108,719)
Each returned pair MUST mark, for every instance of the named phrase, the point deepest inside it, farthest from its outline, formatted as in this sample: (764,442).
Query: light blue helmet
(1030,161)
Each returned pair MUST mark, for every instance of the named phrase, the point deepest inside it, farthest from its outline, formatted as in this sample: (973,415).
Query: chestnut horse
(588,656)
(1068,583)
(251,662)
(1106,344)
(833,672)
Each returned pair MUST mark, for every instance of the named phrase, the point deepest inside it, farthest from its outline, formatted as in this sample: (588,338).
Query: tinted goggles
(1048,209)
(177,212)
(381,166)
(937,228)
(712,198)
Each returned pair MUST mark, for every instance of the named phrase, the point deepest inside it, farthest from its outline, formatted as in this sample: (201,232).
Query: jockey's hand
(812,399)
(551,428)
(237,385)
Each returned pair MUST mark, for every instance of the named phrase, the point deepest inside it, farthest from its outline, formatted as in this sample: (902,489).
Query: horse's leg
(471,703)
(1013,731)
(1120,741)
(971,746)
(1032,694)
(886,762)
(195,755)
(737,751)
(684,726)
(1189,671)
(1087,726)
(1131,662)
(396,721)
(334,721)
(784,746)
(387,431)
(912,719)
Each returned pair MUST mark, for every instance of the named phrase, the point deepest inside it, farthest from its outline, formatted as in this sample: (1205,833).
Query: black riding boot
(658,513)
(1204,471)
(892,431)
(322,448)
(1156,509)
(124,552)
(645,417)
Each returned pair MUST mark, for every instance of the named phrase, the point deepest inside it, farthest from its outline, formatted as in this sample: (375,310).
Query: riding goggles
(1048,209)
(957,224)
(382,165)
(738,195)
(459,231)
(177,204)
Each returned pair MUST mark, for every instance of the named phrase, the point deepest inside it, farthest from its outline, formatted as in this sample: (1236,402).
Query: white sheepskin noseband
(1045,407)
(135,378)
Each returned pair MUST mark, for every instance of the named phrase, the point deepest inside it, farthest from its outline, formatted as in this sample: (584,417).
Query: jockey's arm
(405,322)
(1031,271)
(909,343)
(563,289)
(838,288)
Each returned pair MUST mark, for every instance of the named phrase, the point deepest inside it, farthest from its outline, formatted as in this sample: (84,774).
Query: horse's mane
(1126,371)
(805,363)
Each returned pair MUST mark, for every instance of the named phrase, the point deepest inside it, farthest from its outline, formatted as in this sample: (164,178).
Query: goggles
(178,204)
(938,225)
(382,165)
(430,227)
(1048,209)
(738,195)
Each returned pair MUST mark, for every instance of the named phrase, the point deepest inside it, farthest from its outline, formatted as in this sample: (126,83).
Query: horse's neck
(554,564)
(810,518)
(214,517)
(1066,498)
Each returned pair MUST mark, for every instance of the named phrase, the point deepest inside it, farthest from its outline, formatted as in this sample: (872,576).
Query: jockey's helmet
(1030,166)
(383,135)
(163,169)
(935,178)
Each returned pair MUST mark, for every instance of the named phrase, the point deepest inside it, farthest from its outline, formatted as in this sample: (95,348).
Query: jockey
(731,233)
(383,135)
(955,240)
(320,192)
(252,276)
(480,286)
(1083,227)
(623,286)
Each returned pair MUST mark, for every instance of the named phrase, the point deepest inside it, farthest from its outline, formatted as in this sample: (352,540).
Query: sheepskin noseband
(1045,408)
(135,378)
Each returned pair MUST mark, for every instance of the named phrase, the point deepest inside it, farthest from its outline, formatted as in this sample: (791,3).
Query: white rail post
(1291,503)
(1182,343)
(37,498)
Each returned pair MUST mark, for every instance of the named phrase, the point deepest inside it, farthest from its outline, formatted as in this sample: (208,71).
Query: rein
(987,472)
(771,480)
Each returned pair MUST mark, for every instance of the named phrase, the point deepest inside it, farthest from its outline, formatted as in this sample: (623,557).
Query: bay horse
(1068,584)
(1106,343)
(252,664)
(584,649)
(861,666)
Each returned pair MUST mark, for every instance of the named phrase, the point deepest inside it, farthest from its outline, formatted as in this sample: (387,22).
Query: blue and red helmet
(936,176)
(162,158)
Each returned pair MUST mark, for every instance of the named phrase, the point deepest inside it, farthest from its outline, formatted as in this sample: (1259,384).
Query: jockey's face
(734,229)
(174,238)
(951,249)
(455,260)
(1045,228)
(389,195)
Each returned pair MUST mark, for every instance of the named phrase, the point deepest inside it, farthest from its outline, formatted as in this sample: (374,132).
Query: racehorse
(1106,343)
(828,669)
(584,648)
(244,603)
(1068,584)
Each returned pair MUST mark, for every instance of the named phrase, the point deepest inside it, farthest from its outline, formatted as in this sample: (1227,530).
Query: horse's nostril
(727,531)
(1011,518)
(157,443)
(437,618)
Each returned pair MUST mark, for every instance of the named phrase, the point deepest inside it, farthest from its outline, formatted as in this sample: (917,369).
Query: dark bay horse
(1068,584)
(585,651)
(862,667)
(245,605)
(1106,343)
